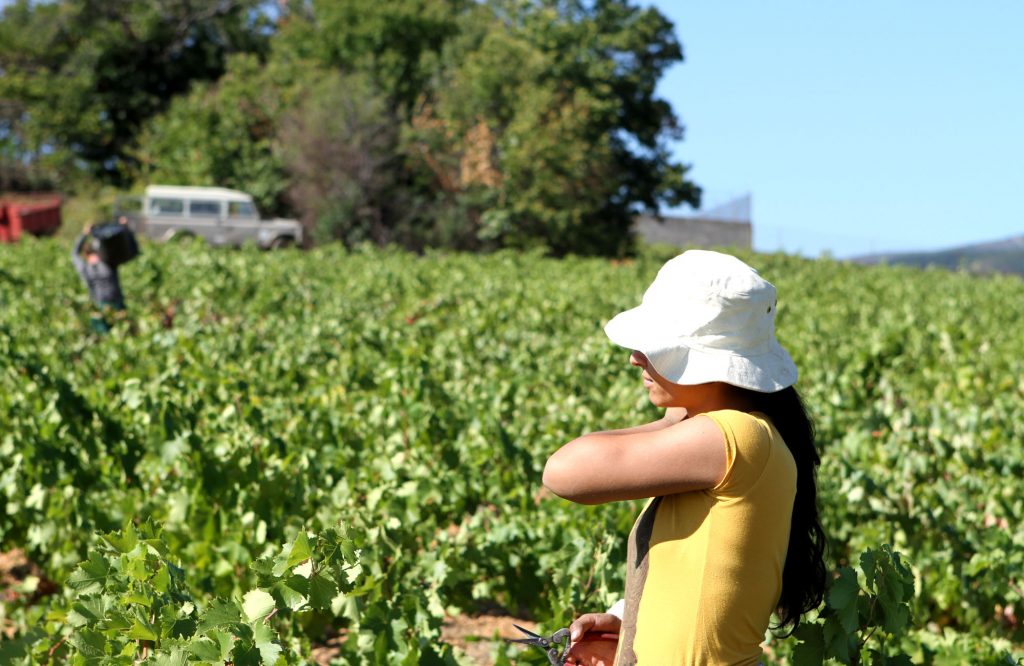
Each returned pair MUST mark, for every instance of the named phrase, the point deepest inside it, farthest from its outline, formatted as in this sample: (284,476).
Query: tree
(223,134)
(86,74)
(562,91)
(471,124)
(23,32)
(340,146)
(393,43)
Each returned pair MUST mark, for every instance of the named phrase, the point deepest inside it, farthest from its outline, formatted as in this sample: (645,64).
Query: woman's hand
(593,639)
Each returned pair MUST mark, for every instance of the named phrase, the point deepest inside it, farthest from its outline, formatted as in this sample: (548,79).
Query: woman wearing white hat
(731,532)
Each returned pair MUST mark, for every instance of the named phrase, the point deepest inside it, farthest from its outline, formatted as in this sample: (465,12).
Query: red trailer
(36,214)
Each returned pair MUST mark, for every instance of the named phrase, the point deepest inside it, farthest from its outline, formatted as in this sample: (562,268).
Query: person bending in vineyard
(100,277)
(730,533)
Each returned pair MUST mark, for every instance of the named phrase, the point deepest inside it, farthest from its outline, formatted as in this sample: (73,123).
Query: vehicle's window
(241,209)
(166,206)
(204,208)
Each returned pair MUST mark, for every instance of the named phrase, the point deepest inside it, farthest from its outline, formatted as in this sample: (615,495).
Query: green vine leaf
(257,604)
(90,575)
(810,651)
(221,613)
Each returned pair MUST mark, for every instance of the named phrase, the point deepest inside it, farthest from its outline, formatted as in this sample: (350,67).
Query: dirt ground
(473,637)
(16,570)
(476,637)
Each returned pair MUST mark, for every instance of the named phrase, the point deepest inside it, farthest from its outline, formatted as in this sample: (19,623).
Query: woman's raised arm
(638,462)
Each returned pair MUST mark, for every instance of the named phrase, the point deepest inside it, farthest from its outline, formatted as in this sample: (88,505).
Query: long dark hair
(803,576)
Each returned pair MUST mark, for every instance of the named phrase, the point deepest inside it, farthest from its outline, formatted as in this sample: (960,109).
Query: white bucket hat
(708,317)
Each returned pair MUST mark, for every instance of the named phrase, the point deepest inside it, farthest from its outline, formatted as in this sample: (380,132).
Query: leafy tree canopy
(80,77)
(543,116)
(467,124)
(392,42)
(221,134)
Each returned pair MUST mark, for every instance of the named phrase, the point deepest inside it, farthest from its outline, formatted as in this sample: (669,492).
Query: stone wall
(693,232)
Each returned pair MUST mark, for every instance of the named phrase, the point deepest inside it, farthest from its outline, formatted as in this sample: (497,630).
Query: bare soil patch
(324,652)
(474,637)
(21,582)
(15,570)
(477,636)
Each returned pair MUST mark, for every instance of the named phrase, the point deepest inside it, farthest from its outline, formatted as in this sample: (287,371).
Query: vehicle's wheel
(281,242)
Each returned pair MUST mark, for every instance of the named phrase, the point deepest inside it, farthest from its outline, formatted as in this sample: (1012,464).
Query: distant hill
(1004,256)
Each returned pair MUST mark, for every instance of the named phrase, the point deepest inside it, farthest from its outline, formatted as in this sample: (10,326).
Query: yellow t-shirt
(704,571)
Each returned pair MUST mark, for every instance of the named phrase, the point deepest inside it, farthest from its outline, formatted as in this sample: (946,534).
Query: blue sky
(857,126)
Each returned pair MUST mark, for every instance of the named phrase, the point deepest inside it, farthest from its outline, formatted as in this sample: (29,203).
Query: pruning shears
(550,644)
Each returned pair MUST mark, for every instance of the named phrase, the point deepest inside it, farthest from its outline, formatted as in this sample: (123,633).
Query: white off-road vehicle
(220,215)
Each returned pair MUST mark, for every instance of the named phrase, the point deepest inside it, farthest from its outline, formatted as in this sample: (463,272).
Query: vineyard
(274,452)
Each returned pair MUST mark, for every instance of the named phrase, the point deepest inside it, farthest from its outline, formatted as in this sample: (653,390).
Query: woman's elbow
(556,475)
(561,478)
